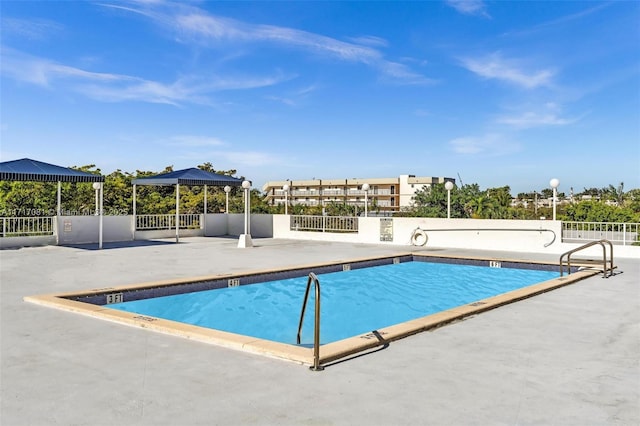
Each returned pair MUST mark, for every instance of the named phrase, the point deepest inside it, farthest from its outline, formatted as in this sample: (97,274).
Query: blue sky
(499,93)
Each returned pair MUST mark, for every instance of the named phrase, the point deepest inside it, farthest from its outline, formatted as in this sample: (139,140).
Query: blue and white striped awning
(27,169)
(192,176)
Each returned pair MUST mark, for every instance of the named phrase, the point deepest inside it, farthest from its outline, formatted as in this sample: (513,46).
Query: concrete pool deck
(570,356)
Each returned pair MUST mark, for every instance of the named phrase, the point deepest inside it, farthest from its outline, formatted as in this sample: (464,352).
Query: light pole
(554,184)
(448,186)
(227,189)
(96,186)
(365,188)
(285,188)
(245,239)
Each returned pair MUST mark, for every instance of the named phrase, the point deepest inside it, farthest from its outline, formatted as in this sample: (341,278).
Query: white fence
(151,222)
(323,223)
(617,233)
(27,226)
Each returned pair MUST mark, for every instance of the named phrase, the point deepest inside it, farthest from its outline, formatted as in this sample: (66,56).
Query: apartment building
(387,194)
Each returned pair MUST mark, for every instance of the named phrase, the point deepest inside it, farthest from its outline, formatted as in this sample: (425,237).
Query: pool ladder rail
(313,279)
(607,263)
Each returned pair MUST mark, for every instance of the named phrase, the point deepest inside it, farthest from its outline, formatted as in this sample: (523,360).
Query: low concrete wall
(216,225)
(532,236)
(506,235)
(261,225)
(17,242)
(86,229)
(451,233)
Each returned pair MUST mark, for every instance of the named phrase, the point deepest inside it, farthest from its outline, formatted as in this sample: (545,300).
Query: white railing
(301,193)
(324,223)
(619,233)
(27,226)
(149,222)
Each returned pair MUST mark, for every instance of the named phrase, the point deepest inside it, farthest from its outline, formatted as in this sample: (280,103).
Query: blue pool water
(352,302)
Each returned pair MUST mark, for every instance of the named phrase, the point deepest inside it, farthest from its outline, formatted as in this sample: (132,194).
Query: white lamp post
(227,189)
(96,186)
(448,186)
(365,188)
(285,188)
(554,184)
(245,239)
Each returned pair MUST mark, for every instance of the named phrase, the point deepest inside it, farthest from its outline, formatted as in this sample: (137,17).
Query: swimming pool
(354,302)
(101,301)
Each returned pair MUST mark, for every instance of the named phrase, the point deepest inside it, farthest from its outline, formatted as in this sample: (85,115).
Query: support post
(245,239)
(101,215)
(134,225)
(204,215)
(177,213)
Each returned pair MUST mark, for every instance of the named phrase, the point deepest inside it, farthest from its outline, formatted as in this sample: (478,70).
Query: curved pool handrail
(496,229)
(316,325)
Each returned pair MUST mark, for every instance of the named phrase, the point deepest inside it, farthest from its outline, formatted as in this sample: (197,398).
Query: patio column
(59,198)
(58,208)
(177,212)
(101,215)
(204,216)
(134,225)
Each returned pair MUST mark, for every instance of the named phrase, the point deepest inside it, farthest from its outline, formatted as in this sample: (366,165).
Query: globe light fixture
(365,188)
(96,186)
(554,183)
(448,186)
(285,188)
(245,239)
(227,189)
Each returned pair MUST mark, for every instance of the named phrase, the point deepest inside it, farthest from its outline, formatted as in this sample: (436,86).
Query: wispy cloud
(32,29)
(549,114)
(569,18)
(495,66)
(190,24)
(109,87)
(470,7)
(42,72)
(531,119)
(492,144)
(194,141)
(239,159)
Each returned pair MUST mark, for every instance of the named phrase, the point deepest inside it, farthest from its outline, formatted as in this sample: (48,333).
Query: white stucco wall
(531,236)
(86,229)
(503,235)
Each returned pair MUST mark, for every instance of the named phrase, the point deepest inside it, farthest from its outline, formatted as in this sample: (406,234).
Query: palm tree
(616,194)
(480,207)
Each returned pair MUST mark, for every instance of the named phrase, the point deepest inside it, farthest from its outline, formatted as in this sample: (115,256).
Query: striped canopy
(192,176)
(27,169)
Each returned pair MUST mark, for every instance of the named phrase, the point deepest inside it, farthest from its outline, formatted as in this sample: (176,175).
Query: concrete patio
(567,357)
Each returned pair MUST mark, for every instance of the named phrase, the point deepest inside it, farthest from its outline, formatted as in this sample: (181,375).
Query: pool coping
(303,355)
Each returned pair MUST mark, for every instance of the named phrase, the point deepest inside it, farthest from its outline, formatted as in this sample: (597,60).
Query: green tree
(594,211)
(481,207)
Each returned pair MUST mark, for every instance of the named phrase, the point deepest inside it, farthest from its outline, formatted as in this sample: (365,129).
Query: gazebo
(191,176)
(26,169)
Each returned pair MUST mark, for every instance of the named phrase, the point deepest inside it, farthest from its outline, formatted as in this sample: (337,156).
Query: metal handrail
(499,229)
(316,326)
(584,246)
